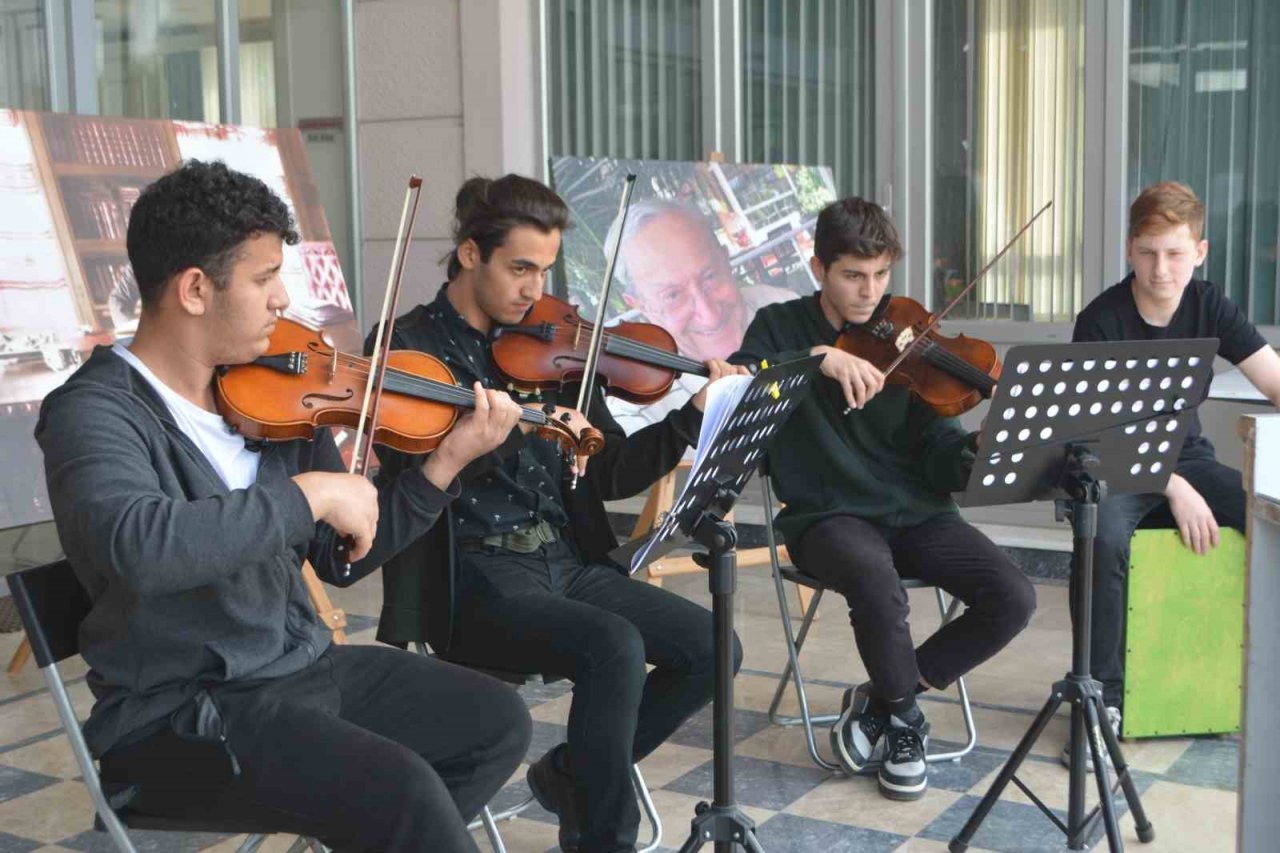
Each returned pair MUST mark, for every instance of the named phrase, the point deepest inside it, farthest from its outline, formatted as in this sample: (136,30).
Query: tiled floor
(1188,786)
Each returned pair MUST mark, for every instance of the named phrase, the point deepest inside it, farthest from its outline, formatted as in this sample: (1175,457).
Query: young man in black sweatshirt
(220,697)
(865,470)
(1162,300)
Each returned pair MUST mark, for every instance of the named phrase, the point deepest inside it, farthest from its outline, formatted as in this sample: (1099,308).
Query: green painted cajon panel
(1184,636)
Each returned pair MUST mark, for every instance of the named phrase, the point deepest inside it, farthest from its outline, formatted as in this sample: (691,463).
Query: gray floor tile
(787,833)
(1008,828)
(1208,764)
(16,783)
(145,841)
(765,784)
(14,844)
(545,736)
(697,730)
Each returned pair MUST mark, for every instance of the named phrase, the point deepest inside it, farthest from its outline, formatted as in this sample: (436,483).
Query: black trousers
(864,562)
(1118,518)
(370,748)
(547,613)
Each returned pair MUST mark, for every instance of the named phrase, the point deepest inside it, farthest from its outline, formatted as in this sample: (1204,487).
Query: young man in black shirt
(220,695)
(1161,300)
(866,470)
(514,578)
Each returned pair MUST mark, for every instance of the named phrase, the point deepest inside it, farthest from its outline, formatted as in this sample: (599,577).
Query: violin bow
(362,450)
(597,337)
(382,339)
(968,287)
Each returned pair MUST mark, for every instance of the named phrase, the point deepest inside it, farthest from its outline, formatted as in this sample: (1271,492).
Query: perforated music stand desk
(698,516)
(1073,423)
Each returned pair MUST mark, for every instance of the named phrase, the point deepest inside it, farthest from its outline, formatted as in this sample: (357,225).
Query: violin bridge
(333,365)
(905,338)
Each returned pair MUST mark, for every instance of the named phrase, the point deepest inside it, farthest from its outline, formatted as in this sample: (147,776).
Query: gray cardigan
(192,585)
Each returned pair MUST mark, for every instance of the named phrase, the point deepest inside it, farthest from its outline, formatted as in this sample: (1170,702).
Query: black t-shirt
(1204,312)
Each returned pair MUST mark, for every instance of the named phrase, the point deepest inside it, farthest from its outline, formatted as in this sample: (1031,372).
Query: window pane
(624,79)
(809,87)
(291,75)
(1008,136)
(1204,80)
(258,62)
(24,71)
(158,59)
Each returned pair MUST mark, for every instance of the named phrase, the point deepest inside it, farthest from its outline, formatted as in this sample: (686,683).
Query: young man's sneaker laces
(905,774)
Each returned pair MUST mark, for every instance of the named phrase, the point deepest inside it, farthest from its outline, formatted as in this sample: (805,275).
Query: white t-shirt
(236,464)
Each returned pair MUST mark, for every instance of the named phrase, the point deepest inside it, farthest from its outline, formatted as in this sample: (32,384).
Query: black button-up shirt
(526,487)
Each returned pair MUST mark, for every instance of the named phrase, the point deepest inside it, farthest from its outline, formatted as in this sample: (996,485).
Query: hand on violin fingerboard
(860,379)
(477,432)
(716,369)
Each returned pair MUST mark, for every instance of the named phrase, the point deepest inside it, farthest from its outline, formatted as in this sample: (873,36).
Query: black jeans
(1118,518)
(370,748)
(864,562)
(547,613)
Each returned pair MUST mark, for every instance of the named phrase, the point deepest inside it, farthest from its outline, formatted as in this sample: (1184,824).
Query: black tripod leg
(693,844)
(1146,832)
(1105,802)
(961,842)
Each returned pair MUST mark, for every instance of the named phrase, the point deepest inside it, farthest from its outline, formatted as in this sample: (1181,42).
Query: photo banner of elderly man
(704,246)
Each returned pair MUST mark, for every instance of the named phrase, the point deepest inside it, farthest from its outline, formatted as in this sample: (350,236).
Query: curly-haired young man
(220,697)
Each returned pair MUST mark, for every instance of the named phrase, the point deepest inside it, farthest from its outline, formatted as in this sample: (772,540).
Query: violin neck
(400,382)
(645,354)
(955,366)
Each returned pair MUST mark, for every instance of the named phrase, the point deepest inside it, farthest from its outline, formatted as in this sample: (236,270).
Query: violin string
(446,393)
(955,365)
(638,348)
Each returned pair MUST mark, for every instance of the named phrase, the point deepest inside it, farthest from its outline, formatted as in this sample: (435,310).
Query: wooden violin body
(951,374)
(637,362)
(302,382)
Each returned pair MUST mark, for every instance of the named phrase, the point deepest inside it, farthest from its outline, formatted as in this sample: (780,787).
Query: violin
(951,374)
(302,383)
(637,362)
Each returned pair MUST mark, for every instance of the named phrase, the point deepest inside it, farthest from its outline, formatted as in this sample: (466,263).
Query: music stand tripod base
(724,469)
(1074,422)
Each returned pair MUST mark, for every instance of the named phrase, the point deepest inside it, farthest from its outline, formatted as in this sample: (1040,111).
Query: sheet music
(1234,385)
(722,398)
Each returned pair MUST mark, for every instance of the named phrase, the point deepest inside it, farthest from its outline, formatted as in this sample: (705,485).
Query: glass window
(158,59)
(1204,80)
(24,70)
(1008,135)
(258,61)
(624,79)
(809,87)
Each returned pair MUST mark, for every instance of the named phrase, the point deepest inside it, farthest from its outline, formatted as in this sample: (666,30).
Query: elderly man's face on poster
(679,276)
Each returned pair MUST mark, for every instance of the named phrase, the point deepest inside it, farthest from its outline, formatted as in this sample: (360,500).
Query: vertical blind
(624,79)
(1204,85)
(809,87)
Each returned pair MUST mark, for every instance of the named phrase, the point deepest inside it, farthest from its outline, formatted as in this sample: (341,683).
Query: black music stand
(736,447)
(1072,423)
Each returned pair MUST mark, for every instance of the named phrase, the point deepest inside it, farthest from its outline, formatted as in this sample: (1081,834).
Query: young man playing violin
(865,470)
(515,577)
(1160,299)
(220,697)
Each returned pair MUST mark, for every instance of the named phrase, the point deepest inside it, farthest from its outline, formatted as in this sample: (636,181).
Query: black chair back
(52,604)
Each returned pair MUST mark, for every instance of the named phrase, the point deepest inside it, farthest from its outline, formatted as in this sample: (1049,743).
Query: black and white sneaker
(904,775)
(856,735)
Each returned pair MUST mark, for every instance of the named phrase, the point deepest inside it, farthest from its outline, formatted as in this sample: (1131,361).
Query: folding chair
(795,642)
(52,604)
(489,820)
